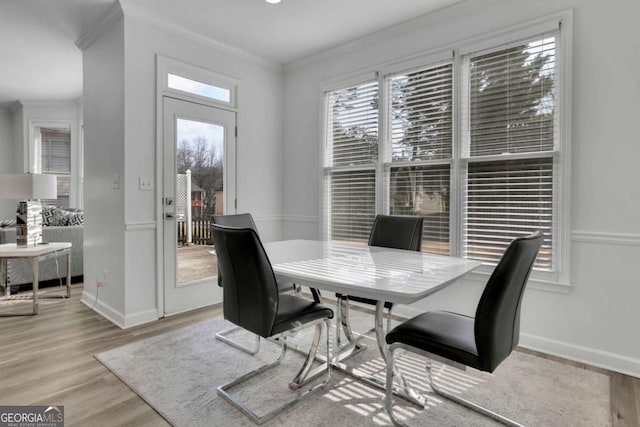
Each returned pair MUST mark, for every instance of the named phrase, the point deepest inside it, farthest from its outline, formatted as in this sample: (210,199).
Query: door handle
(169,216)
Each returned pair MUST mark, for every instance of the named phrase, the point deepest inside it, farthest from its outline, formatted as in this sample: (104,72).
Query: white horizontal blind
(423,191)
(351,153)
(353,126)
(55,148)
(420,119)
(420,126)
(507,199)
(510,148)
(353,204)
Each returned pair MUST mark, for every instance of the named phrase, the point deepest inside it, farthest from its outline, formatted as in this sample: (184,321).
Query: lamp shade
(28,186)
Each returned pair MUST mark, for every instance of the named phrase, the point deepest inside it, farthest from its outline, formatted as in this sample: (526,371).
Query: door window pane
(199,194)
(199,88)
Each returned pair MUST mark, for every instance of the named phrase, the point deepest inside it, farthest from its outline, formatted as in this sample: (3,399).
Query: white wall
(104,122)
(594,322)
(130,49)
(19,150)
(7,207)
(259,145)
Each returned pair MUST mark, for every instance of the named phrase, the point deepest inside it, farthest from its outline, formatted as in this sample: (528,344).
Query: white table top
(384,274)
(11,250)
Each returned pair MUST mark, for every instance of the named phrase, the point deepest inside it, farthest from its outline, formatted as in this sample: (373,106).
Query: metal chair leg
(467,403)
(223,390)
(222,336)
(392,371)
(301,378)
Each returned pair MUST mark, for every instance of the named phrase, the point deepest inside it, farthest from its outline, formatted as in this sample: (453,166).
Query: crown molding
(435,17)
(47,103)
(133,11)
(16,106)
(105,22)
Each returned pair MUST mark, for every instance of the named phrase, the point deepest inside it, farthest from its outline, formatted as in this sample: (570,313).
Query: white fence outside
(183,202)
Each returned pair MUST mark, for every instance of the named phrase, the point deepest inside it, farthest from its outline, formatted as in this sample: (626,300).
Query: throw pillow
(53,216)
(62,217)
(8,223)
(75,218)
(49,216)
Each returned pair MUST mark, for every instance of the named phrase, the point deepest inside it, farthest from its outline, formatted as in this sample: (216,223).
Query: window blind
(420,123)
(505,200)
(353,125)
(420,120)
(55,149)
(423,191)
(350,161)
(512,99)
(510,149)
(352,204)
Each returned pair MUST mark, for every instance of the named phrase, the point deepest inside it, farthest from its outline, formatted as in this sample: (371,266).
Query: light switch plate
(145,183)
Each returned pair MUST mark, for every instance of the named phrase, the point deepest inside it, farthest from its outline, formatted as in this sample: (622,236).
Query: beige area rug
(177,374)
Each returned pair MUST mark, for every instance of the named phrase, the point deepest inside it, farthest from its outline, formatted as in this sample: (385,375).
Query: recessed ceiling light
(273,1)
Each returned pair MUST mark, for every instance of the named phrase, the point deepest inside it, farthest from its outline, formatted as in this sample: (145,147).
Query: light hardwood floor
(48,359)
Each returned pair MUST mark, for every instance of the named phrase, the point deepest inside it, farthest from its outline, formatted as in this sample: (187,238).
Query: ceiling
(41,62)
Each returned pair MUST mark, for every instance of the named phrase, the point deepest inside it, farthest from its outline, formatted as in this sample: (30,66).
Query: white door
(198,181)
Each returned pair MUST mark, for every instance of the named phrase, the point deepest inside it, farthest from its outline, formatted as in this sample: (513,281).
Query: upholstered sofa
(19,271)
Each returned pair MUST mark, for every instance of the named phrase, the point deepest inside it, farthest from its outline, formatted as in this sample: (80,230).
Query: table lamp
(29,188)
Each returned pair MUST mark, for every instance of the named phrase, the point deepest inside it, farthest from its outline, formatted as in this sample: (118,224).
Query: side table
(35,253)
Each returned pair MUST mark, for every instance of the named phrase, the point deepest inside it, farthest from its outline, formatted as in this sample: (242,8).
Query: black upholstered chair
(389,231)
(482,342)
(252,301)
(243,220)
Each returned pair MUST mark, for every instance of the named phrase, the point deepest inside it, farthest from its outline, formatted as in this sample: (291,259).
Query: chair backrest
(250,288)
(497,322)
(400,232)
(243,220)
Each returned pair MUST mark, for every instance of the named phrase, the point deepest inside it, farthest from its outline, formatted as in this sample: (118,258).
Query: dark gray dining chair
(481,342)
(389,231)
(243,220)
(252,301)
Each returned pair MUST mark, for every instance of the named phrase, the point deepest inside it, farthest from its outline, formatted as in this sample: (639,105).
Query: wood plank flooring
(48,359)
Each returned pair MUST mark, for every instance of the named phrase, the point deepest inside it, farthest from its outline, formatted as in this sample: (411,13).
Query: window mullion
(384,147)
(457,177)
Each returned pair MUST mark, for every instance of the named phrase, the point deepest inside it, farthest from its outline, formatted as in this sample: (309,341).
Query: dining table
(383,274)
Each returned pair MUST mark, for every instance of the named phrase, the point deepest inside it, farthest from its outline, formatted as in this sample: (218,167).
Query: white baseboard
(114,316)
(140,318)
(598,358)
(106,311)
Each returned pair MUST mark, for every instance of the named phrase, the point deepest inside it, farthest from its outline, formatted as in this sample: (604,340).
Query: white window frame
(338,84)
(168,66)
(35,150)
(557,280)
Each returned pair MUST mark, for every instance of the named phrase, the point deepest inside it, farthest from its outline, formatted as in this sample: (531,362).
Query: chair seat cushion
(446,334)
(294,311)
